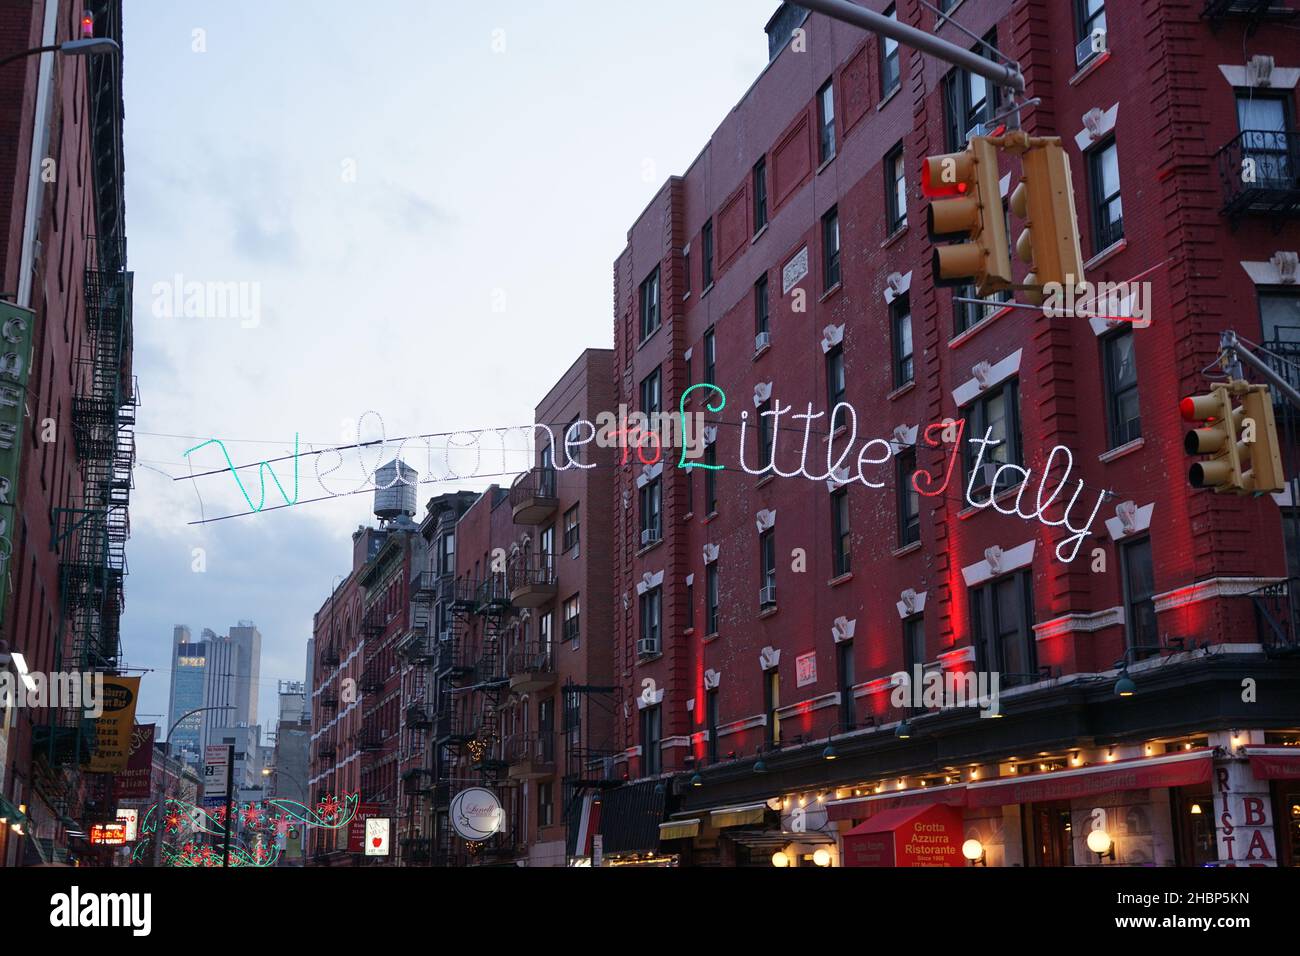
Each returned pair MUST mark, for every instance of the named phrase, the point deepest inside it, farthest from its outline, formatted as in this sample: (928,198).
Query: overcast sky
(423,202)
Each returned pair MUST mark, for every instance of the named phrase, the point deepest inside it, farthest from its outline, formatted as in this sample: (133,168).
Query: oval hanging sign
(476,813)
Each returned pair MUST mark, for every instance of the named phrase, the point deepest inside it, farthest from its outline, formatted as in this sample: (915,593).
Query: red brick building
(63,521)
(757,635)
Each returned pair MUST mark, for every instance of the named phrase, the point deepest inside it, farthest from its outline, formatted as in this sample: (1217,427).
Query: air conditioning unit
(762,340)
(647,646)
(1089,47)
(767,595)
(649,535)
(987,472)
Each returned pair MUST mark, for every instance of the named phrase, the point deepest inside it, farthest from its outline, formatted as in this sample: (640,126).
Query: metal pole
(842,10)
(167,750)
(1228,342)
(230,787)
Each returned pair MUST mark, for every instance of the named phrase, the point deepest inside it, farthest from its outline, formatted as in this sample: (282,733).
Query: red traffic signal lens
(1188,409)
(87,26)
(941,187)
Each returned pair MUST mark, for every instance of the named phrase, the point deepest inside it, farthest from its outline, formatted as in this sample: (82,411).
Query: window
(1279,315)
(706,241)
(1121,387)
(913,651)
(710,479)
(546,547)
(895,191)
(909,501)
(767,568)
(570,529)
(651,610)
(571,433)
(889,72)
(900,317)
(1090,22)
(544,636)
(998,410)
(712,597)
(762,306)
(844,671)
(572,617)
(686,270)
(690,490)
(650,739)
(711,721)
(545,803)
(826,122)
(771,703)
(1265,122)
(969,314)
(841,547)
(969,102)
(650,305)
(546,730)
(765,433)
(650,499)
(1002,617)
(650,394)
(835,376)
(1107,210)
(690,603)
(831,248)
(760,194)
(710,357)
(447,556)
(1139,586)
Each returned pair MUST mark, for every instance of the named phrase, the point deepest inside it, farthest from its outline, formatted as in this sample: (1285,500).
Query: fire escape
(590,745)
(90,535)
(452,672)
(419,651)
(374,732)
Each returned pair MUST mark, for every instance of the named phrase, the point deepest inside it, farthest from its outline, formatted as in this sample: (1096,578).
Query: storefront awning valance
(679,829)
(855,808)
(1274,763)
(923,835)
(1141,773)
(747,814)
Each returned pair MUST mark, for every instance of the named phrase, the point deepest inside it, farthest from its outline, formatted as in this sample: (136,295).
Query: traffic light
(1045,199)
(87,25)
(1265,475)
(1242,440)
(967,204)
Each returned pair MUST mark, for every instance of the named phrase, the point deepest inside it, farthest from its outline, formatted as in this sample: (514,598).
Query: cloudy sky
(421,203)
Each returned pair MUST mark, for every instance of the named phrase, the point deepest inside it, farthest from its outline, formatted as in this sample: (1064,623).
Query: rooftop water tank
(395,489)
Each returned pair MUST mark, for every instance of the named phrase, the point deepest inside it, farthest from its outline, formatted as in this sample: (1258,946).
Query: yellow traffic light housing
(1265,475)
(967,204)
(1242,440)
(1045,199)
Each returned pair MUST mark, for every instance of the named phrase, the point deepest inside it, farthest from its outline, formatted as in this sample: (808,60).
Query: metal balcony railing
(533,495)
(330,655)
(1277,614)
(537,748)
(530,658)
(1260,172)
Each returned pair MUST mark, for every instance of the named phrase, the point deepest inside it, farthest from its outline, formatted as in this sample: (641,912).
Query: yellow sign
(113,729)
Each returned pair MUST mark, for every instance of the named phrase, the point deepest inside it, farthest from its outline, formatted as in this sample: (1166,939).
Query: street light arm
(34,51)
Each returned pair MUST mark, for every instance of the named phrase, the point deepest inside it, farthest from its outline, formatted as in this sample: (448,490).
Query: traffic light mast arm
(1233,351)
(1009,77)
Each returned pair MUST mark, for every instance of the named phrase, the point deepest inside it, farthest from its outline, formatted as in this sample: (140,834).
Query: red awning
(1139,773)
(855,808)
(1274,763)
(927,835)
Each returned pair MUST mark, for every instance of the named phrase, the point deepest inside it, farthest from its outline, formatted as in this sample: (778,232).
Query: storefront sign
(915,837)
(15,348)
(805,669)
(108,834)
(113,729)
(131,818)
(1244,816)
(1182,770)
(377,836)
(134,781)
(357,828)
(476,813)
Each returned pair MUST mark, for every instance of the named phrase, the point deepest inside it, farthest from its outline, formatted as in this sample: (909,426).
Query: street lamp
(84,47)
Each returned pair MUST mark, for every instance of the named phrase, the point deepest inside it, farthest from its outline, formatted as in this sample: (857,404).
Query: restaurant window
(841,560)
(835,384)
(900,314)
(650,397)
(651,615)
(1122,413)
(997,411)
(572,617)
(570,529)
(826,122)
(1139,588)
(1002,617)
(650,305)
(889,64)
(762,307)
(650,740)
(913,651)
(771,704)
(711,721)
(831,248)
(1107,209)
(767,569)
(712,597)
(706,243)
(895,191)
(909,499)
(650,512)
(846,680)
(760,194)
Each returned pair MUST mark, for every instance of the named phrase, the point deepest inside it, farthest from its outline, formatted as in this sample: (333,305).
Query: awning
(745,815)
(1139,773)
(630,816)
(927,835)
(1274,763)
(587,825)
(679,829)
(855,808)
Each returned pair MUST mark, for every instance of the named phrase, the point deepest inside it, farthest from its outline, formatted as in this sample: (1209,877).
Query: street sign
(216,770)
(377,836)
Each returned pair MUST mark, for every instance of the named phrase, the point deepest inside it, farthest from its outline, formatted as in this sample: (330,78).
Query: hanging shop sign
(476,814)
(357,828)
(377,836)
(15,349)
(114,728)
(133,782)
(108,834)
(130,817)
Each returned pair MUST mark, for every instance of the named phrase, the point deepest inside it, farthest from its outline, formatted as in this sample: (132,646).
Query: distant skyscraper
(234,663)
(189,678)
